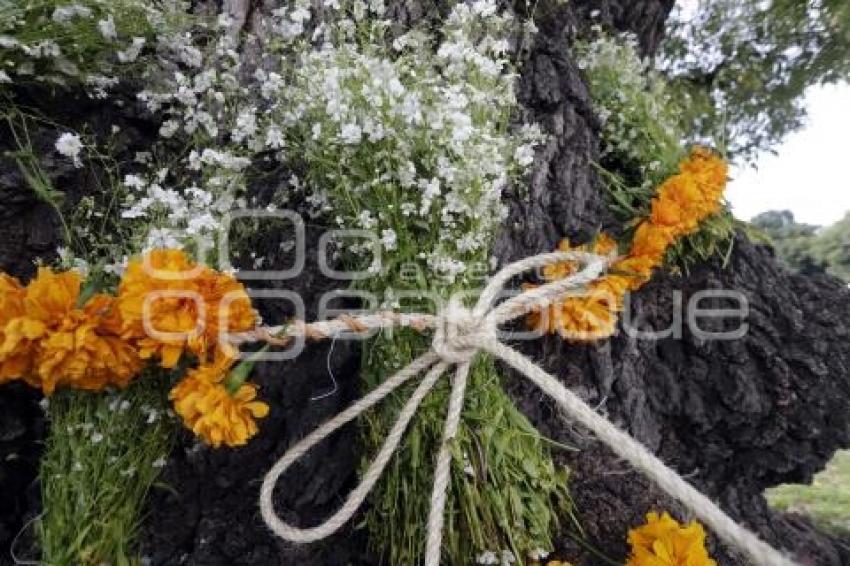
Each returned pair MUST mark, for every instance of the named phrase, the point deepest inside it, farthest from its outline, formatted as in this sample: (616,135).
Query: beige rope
(460,334)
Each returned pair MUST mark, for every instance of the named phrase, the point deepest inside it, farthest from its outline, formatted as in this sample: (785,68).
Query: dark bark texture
(733,416)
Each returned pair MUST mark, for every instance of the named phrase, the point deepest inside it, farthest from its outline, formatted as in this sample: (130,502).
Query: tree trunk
(734,417)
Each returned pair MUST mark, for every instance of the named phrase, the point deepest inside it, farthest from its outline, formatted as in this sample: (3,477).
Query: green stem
(239,375)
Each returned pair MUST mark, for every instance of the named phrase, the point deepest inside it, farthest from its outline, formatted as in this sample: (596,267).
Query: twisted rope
(459,335)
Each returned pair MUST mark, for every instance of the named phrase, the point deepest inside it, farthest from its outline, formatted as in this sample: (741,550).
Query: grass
(103,453)
(826,501)
(506,491)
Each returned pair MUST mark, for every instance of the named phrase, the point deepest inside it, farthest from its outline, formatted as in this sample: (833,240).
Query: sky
(809,176)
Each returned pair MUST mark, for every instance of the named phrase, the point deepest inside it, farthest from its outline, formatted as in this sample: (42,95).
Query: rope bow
(459,335)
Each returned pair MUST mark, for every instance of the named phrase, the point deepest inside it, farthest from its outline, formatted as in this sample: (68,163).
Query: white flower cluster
(640,124)
(78,41)
(185,203)
(176,218)
(488,557)
(408,140)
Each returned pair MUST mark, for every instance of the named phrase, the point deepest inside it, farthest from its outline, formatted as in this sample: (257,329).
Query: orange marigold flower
(652,241)
(686,199)
(665,212)
(683,201)
(84,353)
(51,342)
(636,270)
(603,245)
(210,411)
(587,319)
(11,307)
(186,306)
(662,541)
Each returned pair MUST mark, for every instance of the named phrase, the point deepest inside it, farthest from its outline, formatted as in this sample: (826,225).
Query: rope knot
(459,332)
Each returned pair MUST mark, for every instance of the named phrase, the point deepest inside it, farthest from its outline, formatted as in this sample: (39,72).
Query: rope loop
(459,335)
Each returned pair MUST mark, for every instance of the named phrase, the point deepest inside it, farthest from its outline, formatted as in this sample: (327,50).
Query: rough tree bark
(735,417)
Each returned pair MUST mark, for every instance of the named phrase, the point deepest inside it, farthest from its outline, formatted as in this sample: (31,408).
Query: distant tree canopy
(808,248)
(741,67)
(832,245)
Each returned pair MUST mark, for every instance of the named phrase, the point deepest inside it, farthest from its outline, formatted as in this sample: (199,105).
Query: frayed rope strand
(459,335)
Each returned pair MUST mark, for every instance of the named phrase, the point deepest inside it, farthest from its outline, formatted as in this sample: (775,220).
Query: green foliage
(102,455)
(506,493)
(714,239)
(826,501)
(642,135)
(740,68)
(832,247)
(791,240)
(808,248)
(94,234)
(62,43)
(643,143)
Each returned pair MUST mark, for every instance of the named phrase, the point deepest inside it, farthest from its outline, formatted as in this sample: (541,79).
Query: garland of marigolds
(683,201)
(56,332)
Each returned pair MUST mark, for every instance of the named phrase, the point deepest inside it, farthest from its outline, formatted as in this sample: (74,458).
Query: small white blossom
(162,238)
(366,220)
(107,28)
(246,125)
(389,239)
(351,134)
(64,14)
(274,138)
(133,51)
(468,469)
(169,128)
(524,155)
(117,268)
(70,146)
(538,554)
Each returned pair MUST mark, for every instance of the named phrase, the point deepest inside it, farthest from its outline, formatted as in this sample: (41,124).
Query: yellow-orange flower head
(588,317)
(48,341)
(170,304)
(682,202)
(12,365)
(662,541)
(210,411)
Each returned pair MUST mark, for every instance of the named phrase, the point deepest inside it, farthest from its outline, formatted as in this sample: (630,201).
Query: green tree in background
(741,67)
(807,248)
(832,246)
